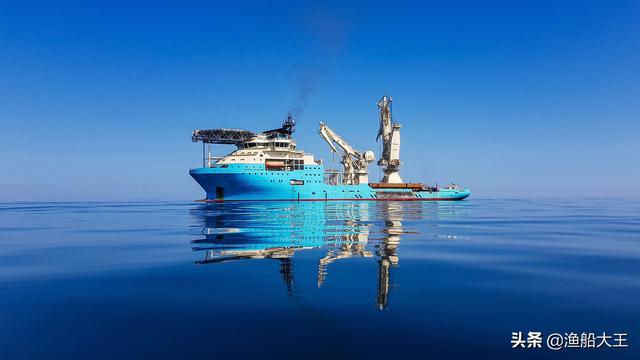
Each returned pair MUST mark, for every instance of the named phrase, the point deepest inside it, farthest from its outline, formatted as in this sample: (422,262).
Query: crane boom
(385,117)
(355,163)
(331,136)
(390,133)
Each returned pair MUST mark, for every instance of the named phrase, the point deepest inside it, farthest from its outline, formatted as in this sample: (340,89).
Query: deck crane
(390,133)
(355,163)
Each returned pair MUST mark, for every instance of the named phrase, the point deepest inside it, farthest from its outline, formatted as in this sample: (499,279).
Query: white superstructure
(271,151)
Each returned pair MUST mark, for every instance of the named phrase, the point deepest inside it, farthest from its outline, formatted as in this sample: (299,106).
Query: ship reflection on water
(339,230)
(297,280)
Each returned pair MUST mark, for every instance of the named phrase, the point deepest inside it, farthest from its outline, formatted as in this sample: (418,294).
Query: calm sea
(313,279)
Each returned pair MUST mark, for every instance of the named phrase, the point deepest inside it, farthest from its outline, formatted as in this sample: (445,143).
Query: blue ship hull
(242,182)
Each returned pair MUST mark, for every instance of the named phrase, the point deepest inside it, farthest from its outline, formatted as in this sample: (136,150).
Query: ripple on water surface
(247,279)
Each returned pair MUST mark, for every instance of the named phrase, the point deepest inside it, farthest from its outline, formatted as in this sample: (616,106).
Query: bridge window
(284,164)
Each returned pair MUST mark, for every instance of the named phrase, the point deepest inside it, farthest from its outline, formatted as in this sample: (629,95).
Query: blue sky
(540,98)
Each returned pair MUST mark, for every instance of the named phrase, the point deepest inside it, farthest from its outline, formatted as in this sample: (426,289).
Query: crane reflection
(340,230)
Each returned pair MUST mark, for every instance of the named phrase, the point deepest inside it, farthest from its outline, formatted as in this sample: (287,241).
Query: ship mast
(390,133)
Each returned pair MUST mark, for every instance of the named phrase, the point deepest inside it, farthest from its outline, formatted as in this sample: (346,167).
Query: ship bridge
(271,140)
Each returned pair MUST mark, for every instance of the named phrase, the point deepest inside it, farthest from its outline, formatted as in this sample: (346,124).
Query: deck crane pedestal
(390,133)
(355,163)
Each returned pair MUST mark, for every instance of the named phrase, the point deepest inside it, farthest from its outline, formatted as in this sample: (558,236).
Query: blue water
(314,279)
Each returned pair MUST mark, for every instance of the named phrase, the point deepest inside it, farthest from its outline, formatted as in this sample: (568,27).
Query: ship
(268,166)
